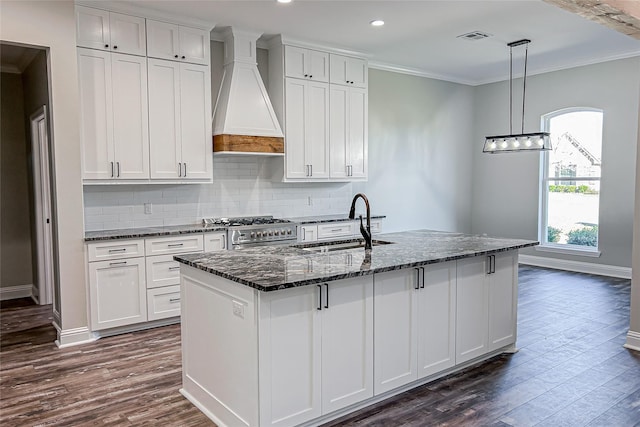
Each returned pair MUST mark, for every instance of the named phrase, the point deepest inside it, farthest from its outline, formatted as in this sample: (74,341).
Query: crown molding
(417,72)
(290,41)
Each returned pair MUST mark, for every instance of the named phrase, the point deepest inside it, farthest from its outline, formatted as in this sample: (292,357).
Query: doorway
(27,243)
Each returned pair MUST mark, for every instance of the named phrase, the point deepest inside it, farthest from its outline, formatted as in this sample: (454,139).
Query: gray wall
(420,162)
(506,186)
(15,233)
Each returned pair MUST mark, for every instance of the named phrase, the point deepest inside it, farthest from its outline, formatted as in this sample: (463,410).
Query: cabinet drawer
(216,241)
(376,226)
(163,302)
(336,229)
(116,249)
(174,245)
(162,270)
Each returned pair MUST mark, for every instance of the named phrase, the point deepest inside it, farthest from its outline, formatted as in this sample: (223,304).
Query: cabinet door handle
(319,297)
(179,169)
(326,301)
(117,250)
(493,268)
(115,47)
(106,45)
(118,163)
(310,76)
(111,264)
(183,57)
(311,169)
(111,169)
(175,245)
(172,300)
(174,268)
(306,75)
(224,243)
(175,56)
(422,284)
(185,169)
(417,286)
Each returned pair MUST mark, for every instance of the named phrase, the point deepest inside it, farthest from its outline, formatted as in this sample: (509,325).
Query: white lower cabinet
(117,292)
(487,304)
(163,302)
(308,233)
(316,353)
(414,324)
(215,241)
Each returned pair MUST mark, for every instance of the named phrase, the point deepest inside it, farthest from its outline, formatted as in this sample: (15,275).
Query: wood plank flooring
(571,370)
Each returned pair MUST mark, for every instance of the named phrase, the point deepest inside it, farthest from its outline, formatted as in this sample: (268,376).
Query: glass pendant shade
(538,141)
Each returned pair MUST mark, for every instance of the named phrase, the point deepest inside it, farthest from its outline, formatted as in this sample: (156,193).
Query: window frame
(543,224)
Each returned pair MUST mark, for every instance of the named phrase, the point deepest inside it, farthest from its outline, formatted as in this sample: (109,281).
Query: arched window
(570,190)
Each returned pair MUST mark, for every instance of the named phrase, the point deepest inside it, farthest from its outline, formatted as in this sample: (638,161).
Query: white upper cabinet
(113,115)
(115,32)
(306,130)
(177,43)
(306,64)
(179,113)
(348,132)
(349,71)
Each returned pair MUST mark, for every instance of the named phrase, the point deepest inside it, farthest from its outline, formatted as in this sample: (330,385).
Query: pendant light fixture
(537,141)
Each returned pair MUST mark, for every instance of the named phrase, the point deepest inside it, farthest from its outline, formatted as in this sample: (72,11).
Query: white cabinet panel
(317,135)
(336,230)
(295,129)
(113,116)
(346,70)
(107,250)
(177,43)
(161,271)
(306,64)
(396,329)
(100,29)
(436,318)
(503,294)
(174,245)
(215,241)
(179,121)
(347,343)
(290,356)
(117,293)
(348,130)
(308,233)
(163,302)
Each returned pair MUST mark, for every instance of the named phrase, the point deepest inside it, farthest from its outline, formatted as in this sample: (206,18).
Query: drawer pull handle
(172,300)
(174,268)
(336,230)
(117,250)
(118,263)
(176,245)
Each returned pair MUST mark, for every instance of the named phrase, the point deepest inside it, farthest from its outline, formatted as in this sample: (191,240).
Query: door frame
(42,204)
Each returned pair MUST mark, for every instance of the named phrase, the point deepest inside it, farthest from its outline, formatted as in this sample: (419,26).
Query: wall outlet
(148,208)
(238,309)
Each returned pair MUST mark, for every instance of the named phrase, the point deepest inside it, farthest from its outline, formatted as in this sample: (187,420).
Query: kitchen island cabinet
(286,336)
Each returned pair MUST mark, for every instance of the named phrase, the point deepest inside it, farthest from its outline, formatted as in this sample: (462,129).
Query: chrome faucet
(366,233)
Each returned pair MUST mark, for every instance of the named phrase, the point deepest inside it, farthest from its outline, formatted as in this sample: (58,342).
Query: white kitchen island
(285,336)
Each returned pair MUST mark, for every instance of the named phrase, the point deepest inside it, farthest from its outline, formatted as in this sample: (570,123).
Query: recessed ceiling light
(284,1)
(377,23)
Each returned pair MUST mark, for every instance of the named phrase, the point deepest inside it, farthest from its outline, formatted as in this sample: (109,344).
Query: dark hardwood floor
(571,370)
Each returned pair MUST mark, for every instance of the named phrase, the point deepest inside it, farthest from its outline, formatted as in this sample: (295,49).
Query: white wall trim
(394,68)
(75,336)
(633,341)
(16,291)
(579,266)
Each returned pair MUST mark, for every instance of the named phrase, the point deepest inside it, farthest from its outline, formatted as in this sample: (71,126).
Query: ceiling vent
(474,35)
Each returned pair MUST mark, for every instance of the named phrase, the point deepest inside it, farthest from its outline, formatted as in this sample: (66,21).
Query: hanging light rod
(537,141)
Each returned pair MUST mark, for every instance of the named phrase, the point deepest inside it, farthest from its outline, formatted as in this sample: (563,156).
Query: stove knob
(259,234)
(277,232)
(253,235)
(270,232)
(289,231)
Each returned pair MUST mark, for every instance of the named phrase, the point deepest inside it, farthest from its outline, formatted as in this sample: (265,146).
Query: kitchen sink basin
(341,245)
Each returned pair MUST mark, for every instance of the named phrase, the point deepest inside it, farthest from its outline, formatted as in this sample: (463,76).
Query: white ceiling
(420,36)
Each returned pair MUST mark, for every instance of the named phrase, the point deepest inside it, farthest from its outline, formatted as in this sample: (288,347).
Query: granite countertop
(329,218)
(270,268)
(134,233)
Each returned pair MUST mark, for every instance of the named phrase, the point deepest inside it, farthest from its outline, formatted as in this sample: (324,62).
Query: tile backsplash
(242,186)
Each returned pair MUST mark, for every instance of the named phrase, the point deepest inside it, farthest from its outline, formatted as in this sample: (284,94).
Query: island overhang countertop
(271,268)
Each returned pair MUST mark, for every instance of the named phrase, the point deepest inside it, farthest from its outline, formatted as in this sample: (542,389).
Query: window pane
(576,139)
(572,216)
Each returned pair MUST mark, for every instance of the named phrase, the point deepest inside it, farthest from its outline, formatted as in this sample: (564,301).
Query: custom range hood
(243,120)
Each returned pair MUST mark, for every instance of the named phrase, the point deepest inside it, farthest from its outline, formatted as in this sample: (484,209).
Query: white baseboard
(579,266)
(71,337)
(633,341)
(17,291)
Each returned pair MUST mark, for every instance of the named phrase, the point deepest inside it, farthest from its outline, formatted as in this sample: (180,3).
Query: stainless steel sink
(341,245)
